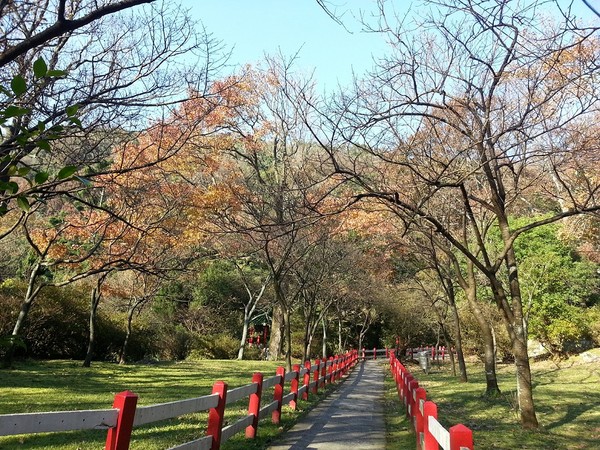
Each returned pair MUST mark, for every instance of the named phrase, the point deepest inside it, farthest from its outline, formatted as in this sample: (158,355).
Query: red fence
(436,353)
(429,432)
(121,419)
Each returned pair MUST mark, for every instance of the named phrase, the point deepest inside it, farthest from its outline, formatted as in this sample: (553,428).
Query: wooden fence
(373,353)
(430,434)
(438,353)
(125,415)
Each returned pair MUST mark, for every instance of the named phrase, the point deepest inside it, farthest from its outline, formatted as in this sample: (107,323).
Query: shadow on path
(350,417)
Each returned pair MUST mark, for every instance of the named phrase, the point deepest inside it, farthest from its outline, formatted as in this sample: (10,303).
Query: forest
(156,205)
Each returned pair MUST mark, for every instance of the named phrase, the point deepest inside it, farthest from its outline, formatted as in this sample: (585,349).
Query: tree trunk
(275,341)
(513,314)
(123,353)
(340,336)
(94,301)
(516,332)
(245,326)
(524,386)
(462,367)
(489,355)
(288,339)
(324,343)
(307,339)
(514,326)
(30,296)
(448,345)
(364,328)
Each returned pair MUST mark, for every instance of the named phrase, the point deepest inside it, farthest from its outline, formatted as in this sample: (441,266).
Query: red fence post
(254,405)
(323,370)
(306,381)
(330,373)
(119,436)
(410,396)
(294,387)
(397,373)
(406,392)
(316,377)
(374,352)
(419,395)
(460,436)
(429,441)
(278,395)
(335,366)
(216,414)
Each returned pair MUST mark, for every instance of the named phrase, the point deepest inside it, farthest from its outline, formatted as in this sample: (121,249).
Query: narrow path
(352,417)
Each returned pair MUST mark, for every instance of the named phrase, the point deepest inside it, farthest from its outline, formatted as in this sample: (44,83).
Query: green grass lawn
(567,399)
(65,385)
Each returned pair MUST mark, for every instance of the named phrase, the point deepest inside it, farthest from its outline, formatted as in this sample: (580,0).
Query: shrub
(214,346)
(57,324)
(593,320)
(174,342)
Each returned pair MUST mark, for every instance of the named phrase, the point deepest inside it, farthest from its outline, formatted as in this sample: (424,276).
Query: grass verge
(398,429)
(566,395)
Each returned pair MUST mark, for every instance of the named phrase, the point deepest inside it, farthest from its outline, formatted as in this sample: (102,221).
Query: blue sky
(258,27)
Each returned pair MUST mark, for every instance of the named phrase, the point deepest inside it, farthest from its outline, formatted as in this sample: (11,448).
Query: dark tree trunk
(123,352)
(489,354)
(30,296)
(288,339)
(307,336)
(513,318)
(276,341)
(462,367)
(448,345)
(94,302)
(324,342)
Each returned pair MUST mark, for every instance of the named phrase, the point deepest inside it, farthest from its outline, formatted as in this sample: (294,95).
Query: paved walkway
(351,417)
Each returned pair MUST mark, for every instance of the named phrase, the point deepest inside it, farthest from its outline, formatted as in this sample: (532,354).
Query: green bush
(253,353)
(560,327)
(593,320)
(173,342)
(214,346)
(57,324)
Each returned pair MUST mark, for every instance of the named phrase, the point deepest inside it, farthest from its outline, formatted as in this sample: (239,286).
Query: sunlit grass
(397,425)
(567,399)
(64,385)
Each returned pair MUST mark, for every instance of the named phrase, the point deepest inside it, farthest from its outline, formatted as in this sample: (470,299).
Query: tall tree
(472,102)
(267,174)
(81,77)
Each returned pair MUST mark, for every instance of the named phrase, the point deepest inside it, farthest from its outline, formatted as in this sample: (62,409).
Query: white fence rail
(125,415)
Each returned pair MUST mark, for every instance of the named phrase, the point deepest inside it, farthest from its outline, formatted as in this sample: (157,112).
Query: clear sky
(258,27)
